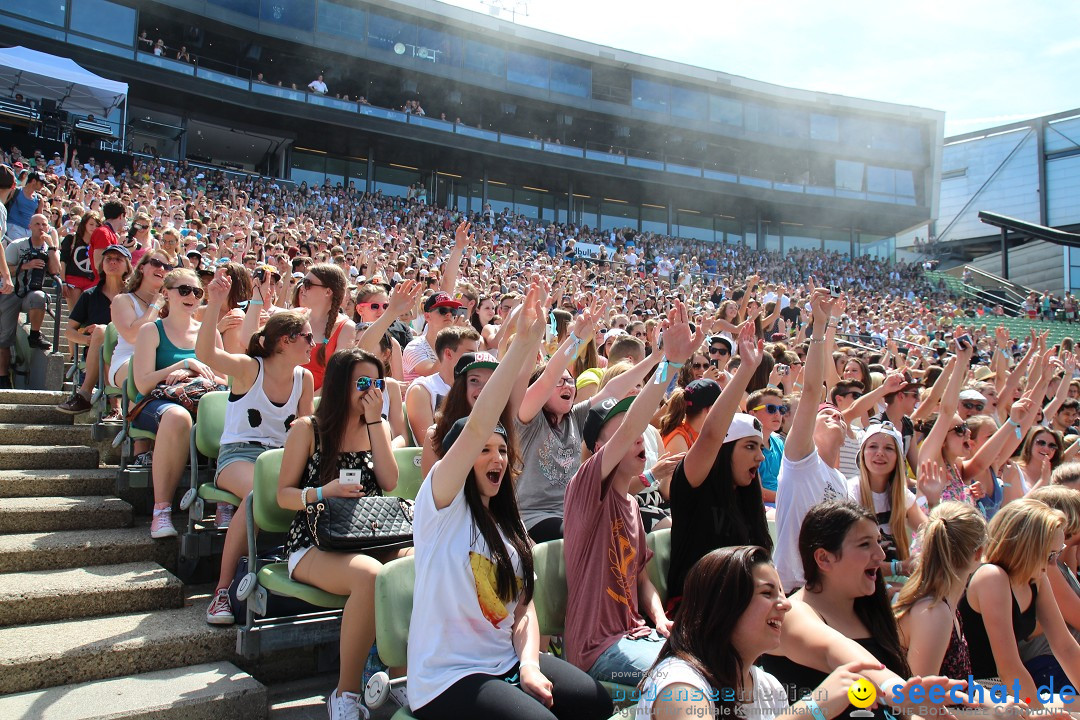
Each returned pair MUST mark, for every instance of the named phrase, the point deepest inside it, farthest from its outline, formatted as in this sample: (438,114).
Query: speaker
(622,131)
(48,106)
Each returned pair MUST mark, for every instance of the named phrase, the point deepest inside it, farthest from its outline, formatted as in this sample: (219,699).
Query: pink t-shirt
(604,544)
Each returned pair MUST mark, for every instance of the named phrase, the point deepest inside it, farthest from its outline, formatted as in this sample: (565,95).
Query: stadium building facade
(553,128)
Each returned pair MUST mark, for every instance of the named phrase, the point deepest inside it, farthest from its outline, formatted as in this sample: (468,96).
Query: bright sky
(984,62)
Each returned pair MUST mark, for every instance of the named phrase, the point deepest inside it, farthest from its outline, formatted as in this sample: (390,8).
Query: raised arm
(402,299)
(242,368)
(538,393)
(621,386)
(452,267)
(800,439)
(449,475)
(893,382)
(1003,442)
(957,368)
(702,454)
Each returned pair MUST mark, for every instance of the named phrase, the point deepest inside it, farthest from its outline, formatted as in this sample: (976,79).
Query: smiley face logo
(862,693)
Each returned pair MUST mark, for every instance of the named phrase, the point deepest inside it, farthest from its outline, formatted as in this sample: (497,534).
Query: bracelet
(814,709)
(255,302)
(1016,425)
(530,663)
(318,493)
(375,422)
(303,495)
(574,346)
(897,568)
(816,340)
(186,364)
(662,372)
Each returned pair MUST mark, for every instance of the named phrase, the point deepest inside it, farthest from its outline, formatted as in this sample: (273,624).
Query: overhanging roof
(1030,230)
(40,75)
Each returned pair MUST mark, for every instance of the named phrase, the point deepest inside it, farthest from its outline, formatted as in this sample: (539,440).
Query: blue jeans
(627,661)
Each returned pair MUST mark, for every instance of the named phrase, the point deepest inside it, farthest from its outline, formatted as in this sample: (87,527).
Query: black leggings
(547,529)
(577,697)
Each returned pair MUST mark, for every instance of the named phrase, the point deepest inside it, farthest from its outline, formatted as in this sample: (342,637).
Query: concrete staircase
(93,623)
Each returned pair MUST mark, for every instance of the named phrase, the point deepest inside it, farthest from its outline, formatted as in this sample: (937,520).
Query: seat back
(269,516)
(660,544)
(393,610)
(409,478)
(109,346)
(549,594)
(211,422)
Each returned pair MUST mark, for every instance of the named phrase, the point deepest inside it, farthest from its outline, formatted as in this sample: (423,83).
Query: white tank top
(251,417)
(124,350)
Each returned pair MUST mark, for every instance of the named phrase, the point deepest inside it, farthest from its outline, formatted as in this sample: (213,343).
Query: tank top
(124,350)
(299,536)
(957,661)
(683,430)
(318,370)
(253,417)
(167,352)
(983,664)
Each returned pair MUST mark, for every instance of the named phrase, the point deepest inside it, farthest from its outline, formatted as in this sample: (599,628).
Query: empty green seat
(409,476)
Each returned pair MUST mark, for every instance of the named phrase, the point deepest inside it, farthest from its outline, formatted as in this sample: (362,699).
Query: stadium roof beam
(1026,230)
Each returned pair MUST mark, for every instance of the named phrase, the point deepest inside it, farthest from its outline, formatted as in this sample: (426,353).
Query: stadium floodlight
(499,8)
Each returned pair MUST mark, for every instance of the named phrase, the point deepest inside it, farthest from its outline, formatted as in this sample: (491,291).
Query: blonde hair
(614,371)
(1020,537)
(172,280)
(897,493)
(949,538)
(1065,499)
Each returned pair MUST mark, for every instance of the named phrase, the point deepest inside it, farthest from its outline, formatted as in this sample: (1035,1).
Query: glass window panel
(337,19)
(650,95)
(484,58)
(760,119)
(824,127)
(385,33)
(694,226)
(500,198)
(689,103)
(104,20)
(299,14)
(527,203)
(244,7)
(726,111)
(571,79)
(46,11)
(857,132)
(849,175)
(526,69)
(772,239)
(476,197)
(837,242)
(793,123)
(654,220)
(800,240)
(905,183)
(615,216)
(441,48)
(307,168)
(394,182)
(880,180)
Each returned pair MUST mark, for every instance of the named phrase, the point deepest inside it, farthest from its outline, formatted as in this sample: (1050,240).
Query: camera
(963,341)
(835,290)
(33,280)
(782,369)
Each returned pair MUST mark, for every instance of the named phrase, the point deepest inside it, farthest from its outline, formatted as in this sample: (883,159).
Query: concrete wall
(1039,265)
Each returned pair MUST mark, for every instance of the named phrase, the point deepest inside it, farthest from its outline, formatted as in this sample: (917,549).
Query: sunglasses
(1046,444)
(961,430)
(158,264)
(1052,558)
(186,290)
(772,409)
(378,306)
(719,351)
(363,383)
(700,366)
(309,337)
(308,284)
(445,310)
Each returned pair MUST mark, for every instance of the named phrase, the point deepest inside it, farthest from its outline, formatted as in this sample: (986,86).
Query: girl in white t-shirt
(731,613)
(475,648)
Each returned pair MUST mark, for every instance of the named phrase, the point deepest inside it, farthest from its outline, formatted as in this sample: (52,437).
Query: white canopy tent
(40,75)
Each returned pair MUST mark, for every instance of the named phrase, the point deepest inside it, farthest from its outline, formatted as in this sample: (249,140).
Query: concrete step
(31,397)
(47,595)
(32,434)
(33,657)
(84,548)
(30,457)
(56,483)
(305,699)
(35,515)
(201,692)
(35,413)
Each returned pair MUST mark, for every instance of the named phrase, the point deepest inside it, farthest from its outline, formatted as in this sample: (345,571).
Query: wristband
(1015,424)
(814,709)
(318,494)
(533,663)
(574,346)
(897,568)
(255,302)
(650,478)
(662,371)
(186,364)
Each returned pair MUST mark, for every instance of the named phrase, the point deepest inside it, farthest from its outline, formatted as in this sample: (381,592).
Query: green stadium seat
(393,613)
(409,476)
(659,542)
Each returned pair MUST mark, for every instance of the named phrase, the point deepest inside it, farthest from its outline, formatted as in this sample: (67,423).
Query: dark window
(485,58)
(387,33)
(570,79)
(299,14)
(337,19)
(46,11)
(104,20)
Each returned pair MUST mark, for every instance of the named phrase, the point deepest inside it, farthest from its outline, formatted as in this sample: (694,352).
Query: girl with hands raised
(479,655)
(270,389)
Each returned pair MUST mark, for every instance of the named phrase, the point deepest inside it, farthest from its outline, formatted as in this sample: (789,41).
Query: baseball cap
(883,428)
(455,430)
(742,426)
(475,361)
(972,396)
(440,299)
(599,415)
(117,249)
(701,394)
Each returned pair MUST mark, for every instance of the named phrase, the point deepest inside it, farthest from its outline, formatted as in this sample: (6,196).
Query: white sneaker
(223,515)
(346,706)
(161,526)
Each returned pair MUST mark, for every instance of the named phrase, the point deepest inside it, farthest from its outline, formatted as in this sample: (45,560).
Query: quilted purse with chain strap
(358,524)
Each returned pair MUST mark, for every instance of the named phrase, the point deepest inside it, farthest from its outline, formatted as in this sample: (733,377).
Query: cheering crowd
(862,476)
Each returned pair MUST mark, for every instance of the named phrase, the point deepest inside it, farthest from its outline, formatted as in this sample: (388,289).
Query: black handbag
(360,524)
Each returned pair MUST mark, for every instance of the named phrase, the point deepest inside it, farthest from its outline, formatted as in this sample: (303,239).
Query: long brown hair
(456,406)
(331,418)
(284,324)
(81,229)
(334,278)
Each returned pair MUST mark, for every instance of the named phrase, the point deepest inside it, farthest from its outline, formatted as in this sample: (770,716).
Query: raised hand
(679,343)
(751,347)
(931,480)
(403,297)
(462,236)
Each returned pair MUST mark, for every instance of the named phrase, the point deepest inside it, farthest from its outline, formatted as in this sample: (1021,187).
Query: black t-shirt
(92,308)
(77,260)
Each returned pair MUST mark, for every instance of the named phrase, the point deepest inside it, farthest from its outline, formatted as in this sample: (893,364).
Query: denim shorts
(247,452)
(149,418)
(627,661)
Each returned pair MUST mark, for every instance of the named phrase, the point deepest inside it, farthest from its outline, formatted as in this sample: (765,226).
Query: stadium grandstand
(393,360)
